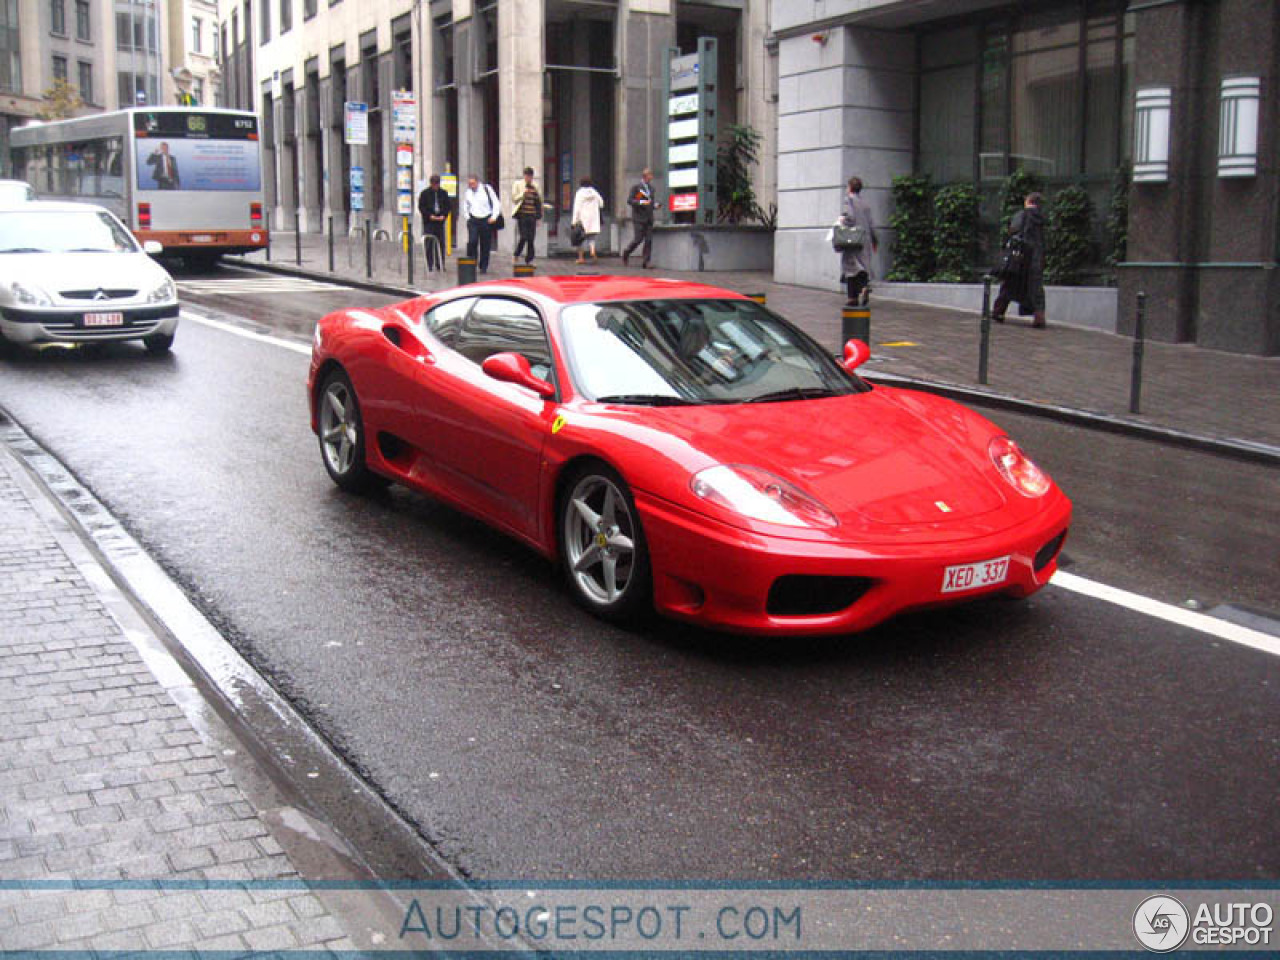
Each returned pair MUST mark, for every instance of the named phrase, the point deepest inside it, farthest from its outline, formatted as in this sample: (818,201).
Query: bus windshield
(189,150)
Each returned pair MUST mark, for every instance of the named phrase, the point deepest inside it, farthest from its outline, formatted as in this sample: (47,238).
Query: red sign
(684,202)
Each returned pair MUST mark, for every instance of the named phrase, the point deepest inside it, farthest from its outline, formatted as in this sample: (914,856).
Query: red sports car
(680,447)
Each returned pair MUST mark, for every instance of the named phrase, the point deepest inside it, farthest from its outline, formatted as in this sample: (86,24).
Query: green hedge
(912,224)
(955,233)
(1068,246)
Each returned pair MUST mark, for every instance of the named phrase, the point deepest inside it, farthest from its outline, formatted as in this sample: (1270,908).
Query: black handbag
(1013,259)
(499,223)
(577,234)
(848,237)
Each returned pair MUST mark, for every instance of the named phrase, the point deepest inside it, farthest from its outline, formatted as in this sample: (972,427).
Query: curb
(1239,449)
(1108,423)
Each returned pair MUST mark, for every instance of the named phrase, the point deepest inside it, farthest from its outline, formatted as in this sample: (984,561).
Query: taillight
(255,213)
(144,216)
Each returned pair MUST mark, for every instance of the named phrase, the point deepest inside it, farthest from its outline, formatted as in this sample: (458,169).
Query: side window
(498,325)
(445,321)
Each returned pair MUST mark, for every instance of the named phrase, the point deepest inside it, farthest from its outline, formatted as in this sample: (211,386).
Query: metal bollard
(466,270)
(984,346)
(855,324)
(297,236)
(368,250)
(408,253)
(757,297)
(523,270)
(331,243)
(266,219)
(1139,347)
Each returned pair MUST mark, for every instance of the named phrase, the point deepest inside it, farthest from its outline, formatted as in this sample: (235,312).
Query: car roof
(54,206)
(596,288)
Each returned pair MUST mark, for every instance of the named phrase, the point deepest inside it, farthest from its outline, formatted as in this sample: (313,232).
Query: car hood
(877,459)
(54,272)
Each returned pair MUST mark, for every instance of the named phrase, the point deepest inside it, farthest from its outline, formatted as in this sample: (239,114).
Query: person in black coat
(434,205)
(1028,287)
(641,201)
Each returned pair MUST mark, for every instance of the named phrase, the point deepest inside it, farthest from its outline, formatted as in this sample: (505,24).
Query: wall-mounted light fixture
(1152,107)
(1238,127)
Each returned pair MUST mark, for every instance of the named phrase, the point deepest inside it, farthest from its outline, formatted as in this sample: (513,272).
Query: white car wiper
(24,250)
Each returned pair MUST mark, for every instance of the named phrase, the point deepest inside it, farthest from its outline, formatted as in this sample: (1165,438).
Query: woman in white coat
(587,204)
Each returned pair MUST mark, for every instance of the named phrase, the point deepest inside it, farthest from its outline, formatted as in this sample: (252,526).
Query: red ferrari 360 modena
(679,447)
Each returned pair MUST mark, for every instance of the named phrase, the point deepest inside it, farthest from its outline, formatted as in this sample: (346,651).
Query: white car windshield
(63,231)
(666,352)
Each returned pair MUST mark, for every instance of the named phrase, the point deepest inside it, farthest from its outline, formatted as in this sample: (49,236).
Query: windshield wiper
(793,393)
(89,250)
(24,250)
(649,399)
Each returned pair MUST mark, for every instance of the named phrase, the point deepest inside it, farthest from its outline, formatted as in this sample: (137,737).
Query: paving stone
(271,938)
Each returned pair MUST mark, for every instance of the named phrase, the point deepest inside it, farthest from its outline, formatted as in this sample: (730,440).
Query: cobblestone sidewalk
(105,781)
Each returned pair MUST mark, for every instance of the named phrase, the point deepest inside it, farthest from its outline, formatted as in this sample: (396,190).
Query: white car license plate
(103,319)
(971,576)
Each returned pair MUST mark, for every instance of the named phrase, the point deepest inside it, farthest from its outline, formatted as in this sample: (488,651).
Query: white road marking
(1222,629)
(234,285)
(302,348)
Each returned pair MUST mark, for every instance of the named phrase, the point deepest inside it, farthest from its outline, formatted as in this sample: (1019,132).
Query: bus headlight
(28,295)
(163,293)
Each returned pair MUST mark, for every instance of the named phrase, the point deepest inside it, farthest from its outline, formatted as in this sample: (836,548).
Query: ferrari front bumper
(722,577)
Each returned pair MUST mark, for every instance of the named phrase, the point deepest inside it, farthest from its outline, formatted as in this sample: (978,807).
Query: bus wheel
(158,344)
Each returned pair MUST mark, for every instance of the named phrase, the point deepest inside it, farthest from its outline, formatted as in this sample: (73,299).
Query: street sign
(404,116)
(356,129)
(357,188)
(684,202)
(691,95)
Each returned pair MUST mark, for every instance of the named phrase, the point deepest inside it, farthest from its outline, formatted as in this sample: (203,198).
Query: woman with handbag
(855,243)
(587,204)
(1022,266)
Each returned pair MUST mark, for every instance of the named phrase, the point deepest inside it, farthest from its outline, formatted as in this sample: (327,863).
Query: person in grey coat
(855,265)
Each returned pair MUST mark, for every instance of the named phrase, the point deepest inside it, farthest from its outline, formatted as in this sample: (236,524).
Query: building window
(86,81)
(60,69)
(10,54)
(308,9)
(58,16)
(124,34)
(218,45)
(197,90)
(286,15)
(264,25)
(83,31)
(197,35)
(136,89)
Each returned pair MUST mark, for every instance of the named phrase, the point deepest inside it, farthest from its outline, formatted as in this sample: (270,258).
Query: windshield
(695,351)
(63,231)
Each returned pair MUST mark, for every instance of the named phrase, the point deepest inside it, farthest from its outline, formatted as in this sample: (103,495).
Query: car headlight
(760,495)
(163,293)
(1017,469)
(28,295)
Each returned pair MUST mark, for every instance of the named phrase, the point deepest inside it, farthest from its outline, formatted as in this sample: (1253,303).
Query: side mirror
(153,247)
(514,368)
(856,353)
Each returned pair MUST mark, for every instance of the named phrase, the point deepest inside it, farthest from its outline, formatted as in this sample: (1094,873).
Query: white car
(72,272)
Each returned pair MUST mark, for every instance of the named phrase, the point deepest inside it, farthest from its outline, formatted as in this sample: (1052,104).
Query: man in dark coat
(435,206)
(1027,289)
(164,168)
(641,200)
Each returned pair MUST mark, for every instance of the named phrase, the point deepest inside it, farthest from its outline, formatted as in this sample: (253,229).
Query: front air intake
(1044,556)
(799,595)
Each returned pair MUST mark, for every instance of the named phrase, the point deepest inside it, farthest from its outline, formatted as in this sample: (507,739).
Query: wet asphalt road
(1058,739)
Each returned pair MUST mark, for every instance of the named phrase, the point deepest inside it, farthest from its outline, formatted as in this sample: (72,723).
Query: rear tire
(342,437)
(602,549)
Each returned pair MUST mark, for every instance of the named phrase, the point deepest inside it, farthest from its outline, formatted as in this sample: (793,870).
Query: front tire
(158,344)
(602,547)
(342,440)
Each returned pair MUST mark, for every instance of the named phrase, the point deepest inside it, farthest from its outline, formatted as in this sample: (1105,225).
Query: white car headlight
(163,293)
(28,295)
(760,495)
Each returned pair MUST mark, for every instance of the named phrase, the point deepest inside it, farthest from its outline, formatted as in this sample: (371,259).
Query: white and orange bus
(189,178)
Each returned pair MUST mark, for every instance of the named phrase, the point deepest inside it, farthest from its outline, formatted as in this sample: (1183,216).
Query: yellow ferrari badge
(557,424)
